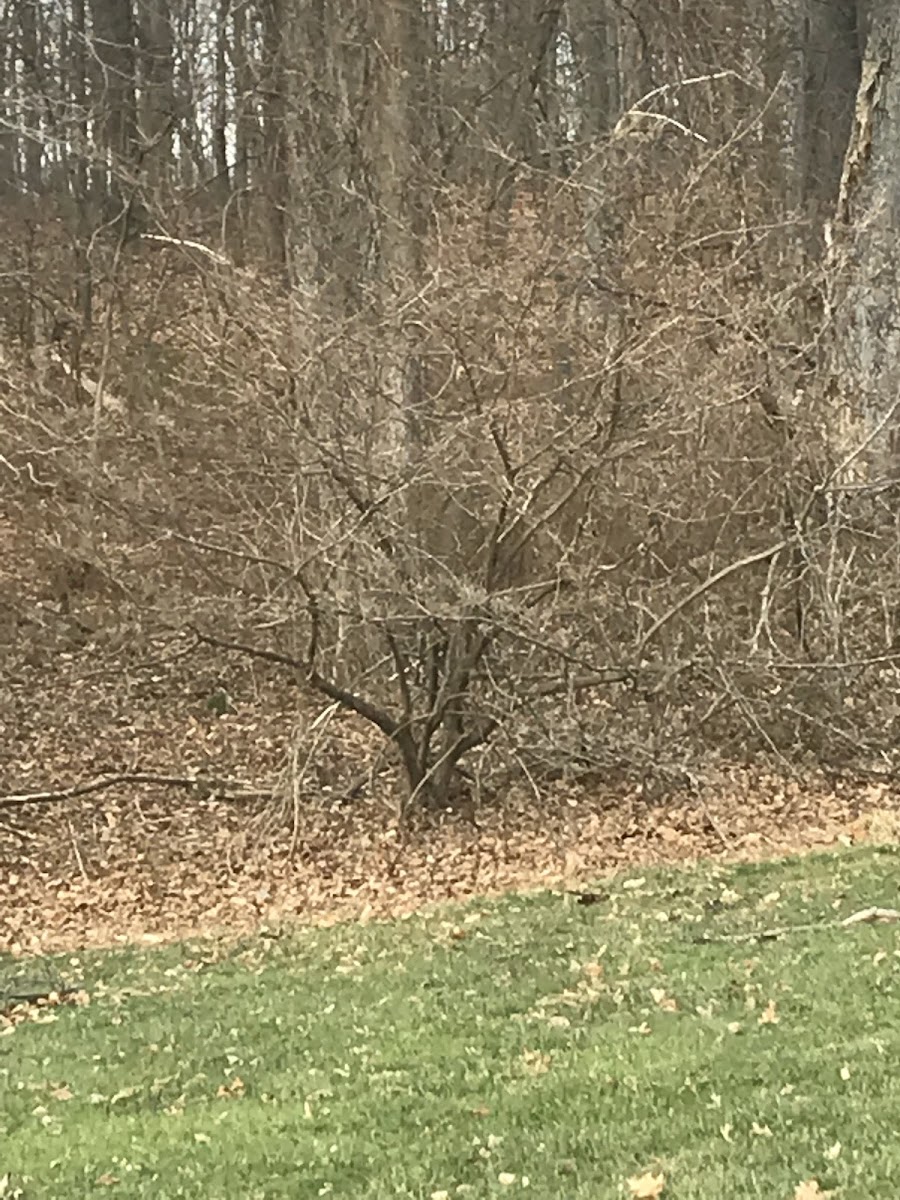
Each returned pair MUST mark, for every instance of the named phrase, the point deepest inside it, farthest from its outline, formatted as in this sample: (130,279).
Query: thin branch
(234,789)
(358,704)
(186,244)
(273,656)
(702,588)
(582,683)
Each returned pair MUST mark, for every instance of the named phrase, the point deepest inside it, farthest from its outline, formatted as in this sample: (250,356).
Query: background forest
(514,376)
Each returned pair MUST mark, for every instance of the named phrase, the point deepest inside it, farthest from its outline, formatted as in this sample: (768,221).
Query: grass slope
(527,1047)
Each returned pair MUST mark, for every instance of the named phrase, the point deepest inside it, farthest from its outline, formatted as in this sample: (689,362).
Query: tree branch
(232,789)
(358,704)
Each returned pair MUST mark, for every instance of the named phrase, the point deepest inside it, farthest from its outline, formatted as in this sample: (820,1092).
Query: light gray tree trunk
(398,71)
(865,254)
(190,161)
(80,179)
(278,18)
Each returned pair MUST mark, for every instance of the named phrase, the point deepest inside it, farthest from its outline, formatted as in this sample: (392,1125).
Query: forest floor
(85,700)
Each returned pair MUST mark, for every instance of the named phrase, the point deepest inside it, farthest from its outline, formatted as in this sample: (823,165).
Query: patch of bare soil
(155,860)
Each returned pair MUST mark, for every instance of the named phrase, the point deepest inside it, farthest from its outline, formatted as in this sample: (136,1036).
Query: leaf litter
(144,864)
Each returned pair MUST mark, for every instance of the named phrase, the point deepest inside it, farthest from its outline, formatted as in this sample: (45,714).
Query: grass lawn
(529,1047)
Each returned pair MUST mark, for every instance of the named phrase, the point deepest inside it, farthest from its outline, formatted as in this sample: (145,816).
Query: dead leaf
(661,1000)
(227,1091)
(647,1186)
(535,1062)
(810,1190)
(769,1016)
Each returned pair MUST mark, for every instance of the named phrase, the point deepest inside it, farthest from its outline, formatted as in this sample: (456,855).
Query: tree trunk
(113,52)
(189,158)
(31,94)
(866,255)
(595,36)
(157,50)
(220,111)
(8,135)
(278,22)
(832,53)
(398,70)
(80,181)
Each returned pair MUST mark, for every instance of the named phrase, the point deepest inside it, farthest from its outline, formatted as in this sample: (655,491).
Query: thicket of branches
(476,368)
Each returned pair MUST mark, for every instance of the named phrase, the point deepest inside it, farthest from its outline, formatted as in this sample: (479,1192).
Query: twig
(717,828)
(701,588)
(581,683)
(865,916)
(232,789)
(358,704)
(77,852)
(185,244)
(770,551)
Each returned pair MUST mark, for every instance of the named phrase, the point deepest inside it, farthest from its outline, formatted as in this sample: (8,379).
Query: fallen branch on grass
(865,916)
(204,786)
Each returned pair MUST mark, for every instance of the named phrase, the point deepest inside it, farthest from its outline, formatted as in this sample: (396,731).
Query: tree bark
(157,56)
(865,253)
(220,110)
(832,55)
(8,134)
(113,53)
(399,214)
(31,90)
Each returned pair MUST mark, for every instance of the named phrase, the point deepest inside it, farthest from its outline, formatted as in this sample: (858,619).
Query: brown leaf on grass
(535,1062)
(663,1001)
(228,1091)
(647,1186)
(769,1016)
(809,1190)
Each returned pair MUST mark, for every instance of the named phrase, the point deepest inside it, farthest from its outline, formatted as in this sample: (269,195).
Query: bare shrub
(545,491)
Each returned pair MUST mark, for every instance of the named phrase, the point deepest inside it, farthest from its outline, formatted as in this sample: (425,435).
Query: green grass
(452,1051)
